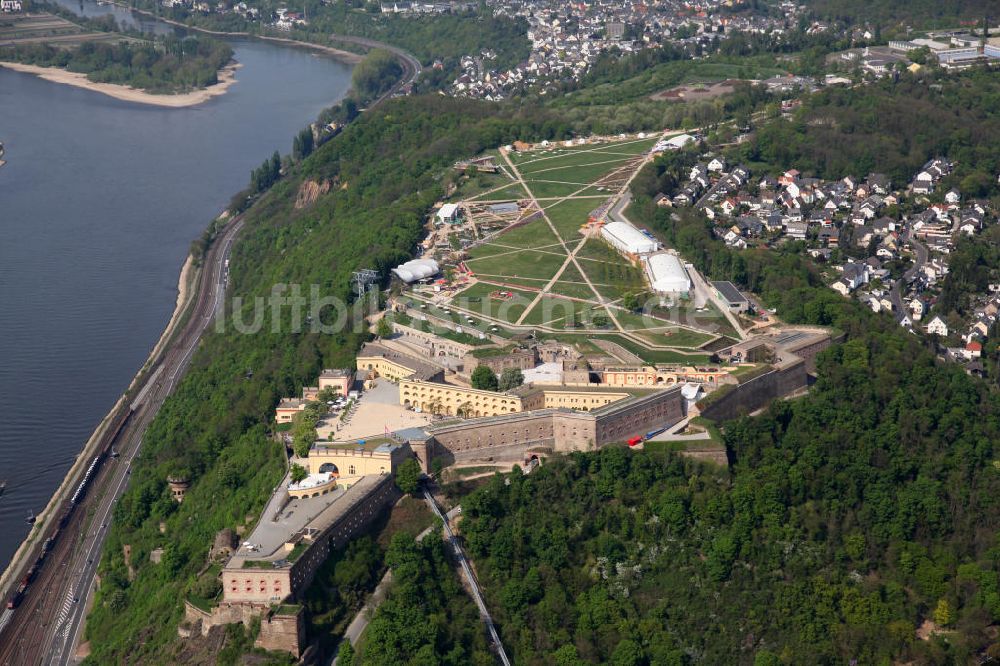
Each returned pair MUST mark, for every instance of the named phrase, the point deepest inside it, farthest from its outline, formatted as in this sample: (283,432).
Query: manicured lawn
(534,235)
(613,280)
(634,147)
(582,173)
(578,156)
(542,189)
(571,284)
(526,263)
(569,215)
(511,191)
(596,248)
(470,187)
(675,337)
(551,310)
(504,310)
(657,356)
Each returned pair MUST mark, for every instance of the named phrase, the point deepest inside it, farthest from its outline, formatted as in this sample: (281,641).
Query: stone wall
(431,344)
(282,631)
(623,420)
(522,359)
(758,392)
(257,584)
(506,438)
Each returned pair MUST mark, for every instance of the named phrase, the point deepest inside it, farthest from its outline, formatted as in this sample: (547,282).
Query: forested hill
(916,13)
(892,127)
(850,519)
(384,173)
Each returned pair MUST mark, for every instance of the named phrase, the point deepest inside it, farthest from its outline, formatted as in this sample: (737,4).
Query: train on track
(65,512)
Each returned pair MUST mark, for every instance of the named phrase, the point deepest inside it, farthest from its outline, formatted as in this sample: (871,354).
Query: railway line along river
(99,202)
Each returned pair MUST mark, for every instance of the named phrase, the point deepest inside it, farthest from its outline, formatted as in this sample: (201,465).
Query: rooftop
(281,522)
(312,481)
(729,291)
(421,370)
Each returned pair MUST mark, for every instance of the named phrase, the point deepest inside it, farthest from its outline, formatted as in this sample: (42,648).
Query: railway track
(45,623)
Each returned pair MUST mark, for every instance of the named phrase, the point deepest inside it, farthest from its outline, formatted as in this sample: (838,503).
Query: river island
(169,72)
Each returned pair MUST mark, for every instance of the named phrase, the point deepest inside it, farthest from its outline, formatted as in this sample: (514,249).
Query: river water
(99,202)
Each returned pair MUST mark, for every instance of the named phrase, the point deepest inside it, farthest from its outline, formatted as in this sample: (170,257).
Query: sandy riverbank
(227,77)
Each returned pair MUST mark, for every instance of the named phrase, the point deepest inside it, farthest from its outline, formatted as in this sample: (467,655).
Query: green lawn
(675,337)
(597,249)
(581,173)
(569,215)
(582,155)
(511,191)
(571,284)
(613,280)
(542,189)
(470,187)
(558,312)
(534,235)
(657,356)
(524,264)
(476,299)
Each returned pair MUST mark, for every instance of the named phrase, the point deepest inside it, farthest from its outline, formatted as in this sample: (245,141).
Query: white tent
(417,269)
(626,238)
(680,141)
(667,275)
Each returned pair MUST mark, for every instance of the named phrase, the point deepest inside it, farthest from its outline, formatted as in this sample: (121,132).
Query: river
(99,202)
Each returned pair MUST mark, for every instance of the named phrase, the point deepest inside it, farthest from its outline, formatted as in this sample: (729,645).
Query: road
(411,65)
(48,622)
(896,295)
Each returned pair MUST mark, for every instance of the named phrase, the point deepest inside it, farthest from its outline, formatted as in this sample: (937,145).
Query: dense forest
(427,618)
(848,519)
(374,75)
(444,37)
(214,428)
(916,13)
(171,66)
(892,126)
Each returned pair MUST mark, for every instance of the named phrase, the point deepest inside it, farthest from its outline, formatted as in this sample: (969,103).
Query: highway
(47,624)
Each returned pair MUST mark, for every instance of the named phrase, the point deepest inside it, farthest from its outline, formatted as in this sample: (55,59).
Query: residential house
(796,230)
(936,326)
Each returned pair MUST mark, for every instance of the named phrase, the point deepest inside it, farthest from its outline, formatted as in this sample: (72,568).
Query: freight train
(69,506)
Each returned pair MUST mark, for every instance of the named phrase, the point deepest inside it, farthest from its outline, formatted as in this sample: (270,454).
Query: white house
(679,141)
(448,214)
(717,164)
(937,326)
